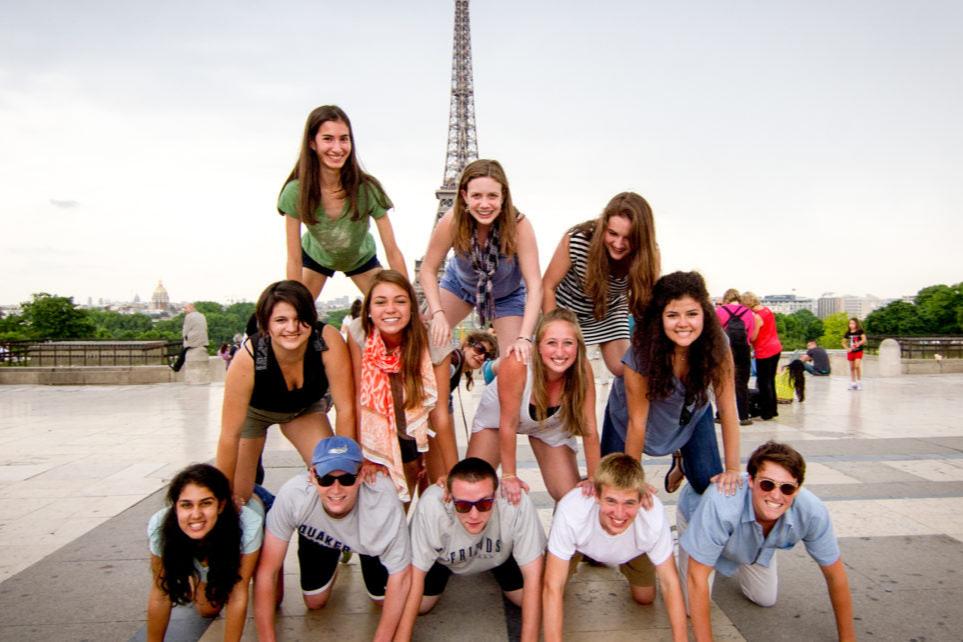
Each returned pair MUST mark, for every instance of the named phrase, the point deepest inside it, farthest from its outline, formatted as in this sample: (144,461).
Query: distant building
(788,303)
(160,301)
(828,304)
(854,306)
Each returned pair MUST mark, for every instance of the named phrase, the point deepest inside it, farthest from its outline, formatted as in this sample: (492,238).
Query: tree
(834,327)
(12,328)
(797,328)
(899,318)
(939,307)
(49,316)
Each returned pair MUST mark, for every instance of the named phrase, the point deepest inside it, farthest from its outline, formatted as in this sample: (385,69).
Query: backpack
(735,327)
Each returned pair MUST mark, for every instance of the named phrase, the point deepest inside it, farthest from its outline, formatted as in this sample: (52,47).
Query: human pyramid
(390,382)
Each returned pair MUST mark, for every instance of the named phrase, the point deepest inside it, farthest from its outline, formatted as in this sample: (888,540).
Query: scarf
(379,431)
(485,263)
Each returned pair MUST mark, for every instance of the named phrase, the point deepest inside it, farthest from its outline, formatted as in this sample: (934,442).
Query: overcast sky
(805,147)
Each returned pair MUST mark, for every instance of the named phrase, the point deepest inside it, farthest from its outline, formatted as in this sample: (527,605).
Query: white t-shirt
(376,525)
(438,536)
(576,528)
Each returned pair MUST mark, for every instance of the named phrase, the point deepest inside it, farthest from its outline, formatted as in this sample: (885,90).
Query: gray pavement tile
(871,472)
(888,490)
(69,593)
(76,632)
(904,588)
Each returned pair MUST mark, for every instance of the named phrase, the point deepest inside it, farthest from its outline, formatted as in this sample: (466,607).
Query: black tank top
(271,392)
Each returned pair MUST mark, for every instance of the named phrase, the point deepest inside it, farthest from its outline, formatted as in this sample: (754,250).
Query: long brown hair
(463,222)
(708,356)
(576,382)
(641,266)
(307,170)
(414,339)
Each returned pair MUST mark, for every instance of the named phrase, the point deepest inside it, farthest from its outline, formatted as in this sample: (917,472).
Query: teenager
(603,270)
(335,199)
(494,269)
(203,551)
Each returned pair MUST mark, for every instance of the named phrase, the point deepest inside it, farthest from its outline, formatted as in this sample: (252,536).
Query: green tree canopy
(939,307)
(797,328)
(834,327)
(48,316)
(899,318)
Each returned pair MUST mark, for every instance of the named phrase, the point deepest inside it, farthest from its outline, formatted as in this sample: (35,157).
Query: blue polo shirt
(723,531)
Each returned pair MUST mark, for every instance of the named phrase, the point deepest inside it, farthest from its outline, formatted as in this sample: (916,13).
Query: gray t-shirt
(375,526)
(438,536)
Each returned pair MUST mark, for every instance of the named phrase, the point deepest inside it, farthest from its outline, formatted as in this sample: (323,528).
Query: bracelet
(509,476)
(436,312)
(529,339)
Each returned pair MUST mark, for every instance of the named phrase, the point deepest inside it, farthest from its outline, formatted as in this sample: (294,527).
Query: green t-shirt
(340,244)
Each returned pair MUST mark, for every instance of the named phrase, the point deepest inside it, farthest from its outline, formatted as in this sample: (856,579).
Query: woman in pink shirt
(768,350)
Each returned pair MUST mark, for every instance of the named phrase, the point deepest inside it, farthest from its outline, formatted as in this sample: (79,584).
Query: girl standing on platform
(280,376)
(552,400)
(400,380)
(335,199)
(604,269)
(661,405)
(202,551)
(495,266)
(853,342)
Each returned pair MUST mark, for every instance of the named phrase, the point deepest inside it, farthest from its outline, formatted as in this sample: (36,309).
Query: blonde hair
(749,299)
(576,382)
(731,295)
(464,224)
(619,471)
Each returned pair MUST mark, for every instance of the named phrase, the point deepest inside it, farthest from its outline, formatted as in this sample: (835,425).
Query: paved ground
(81,469)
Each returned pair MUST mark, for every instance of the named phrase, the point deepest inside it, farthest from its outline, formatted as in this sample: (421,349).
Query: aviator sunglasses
(483,505)
(346,479)
(768,485)
(481,349)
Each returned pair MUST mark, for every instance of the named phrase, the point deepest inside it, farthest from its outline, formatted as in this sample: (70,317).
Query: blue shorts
(314,266)
(510,305)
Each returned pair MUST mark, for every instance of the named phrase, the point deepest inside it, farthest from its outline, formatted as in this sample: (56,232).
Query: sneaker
(852,386)
(745,422)
(859,385)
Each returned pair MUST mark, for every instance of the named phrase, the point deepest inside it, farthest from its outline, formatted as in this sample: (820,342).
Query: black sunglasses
(686,415)
(346,479)
(483,505)
(482,350)
(767,486)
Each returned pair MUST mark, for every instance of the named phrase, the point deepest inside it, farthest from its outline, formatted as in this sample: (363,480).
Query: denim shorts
(314,266)
(510,305)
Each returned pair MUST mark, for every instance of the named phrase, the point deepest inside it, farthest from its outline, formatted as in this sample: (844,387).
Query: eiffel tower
(462,140)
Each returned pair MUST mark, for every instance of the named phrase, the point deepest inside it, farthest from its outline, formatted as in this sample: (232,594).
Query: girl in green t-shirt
(335,199)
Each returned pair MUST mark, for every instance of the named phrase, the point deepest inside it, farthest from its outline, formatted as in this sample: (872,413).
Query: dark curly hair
(221,547)
(708,356)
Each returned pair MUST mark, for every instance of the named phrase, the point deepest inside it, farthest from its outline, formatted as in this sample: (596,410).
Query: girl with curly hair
(202,551)
(603,270)
(661,404)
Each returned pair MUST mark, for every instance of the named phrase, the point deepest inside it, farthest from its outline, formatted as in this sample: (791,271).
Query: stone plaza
(83,467)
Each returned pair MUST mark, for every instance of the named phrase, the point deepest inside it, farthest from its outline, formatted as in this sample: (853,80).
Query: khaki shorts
(257,421)
(638,571)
